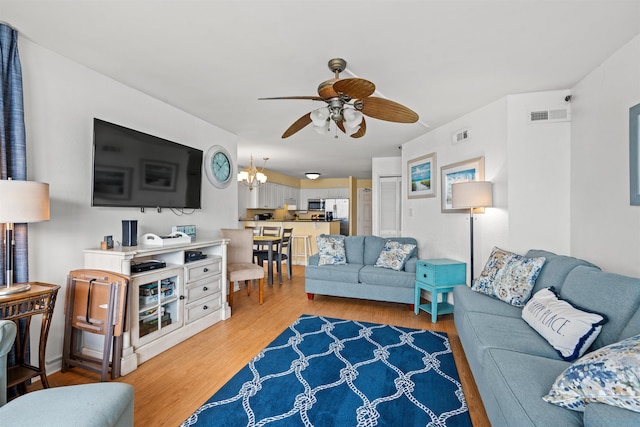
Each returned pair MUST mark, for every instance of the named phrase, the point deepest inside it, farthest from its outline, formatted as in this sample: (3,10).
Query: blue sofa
(514,366)
(358,278)
(96,405)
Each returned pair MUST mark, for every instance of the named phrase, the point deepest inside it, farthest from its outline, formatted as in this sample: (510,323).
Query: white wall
(61,99)
(528,166)
(605,228)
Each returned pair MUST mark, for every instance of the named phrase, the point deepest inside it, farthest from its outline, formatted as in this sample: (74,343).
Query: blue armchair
(100,404)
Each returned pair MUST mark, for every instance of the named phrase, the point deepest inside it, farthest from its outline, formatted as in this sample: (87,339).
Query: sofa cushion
(468,300)
(568,329)
(609,375)
(371,275)
(518,381)
(354,247)
(484,331)
(334,273)
(373,245)
(331,249)
(614,295)
(508,276)
(394,255)
(555,269)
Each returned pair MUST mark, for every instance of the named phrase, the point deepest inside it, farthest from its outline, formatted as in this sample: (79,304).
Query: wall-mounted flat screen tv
(134,169)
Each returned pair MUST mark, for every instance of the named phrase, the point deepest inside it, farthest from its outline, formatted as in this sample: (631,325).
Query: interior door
(365,211)
(389,209)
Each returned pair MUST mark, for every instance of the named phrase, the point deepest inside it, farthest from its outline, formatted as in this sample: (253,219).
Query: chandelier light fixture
(251,177)
(312,175)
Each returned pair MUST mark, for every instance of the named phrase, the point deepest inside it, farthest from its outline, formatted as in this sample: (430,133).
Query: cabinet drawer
(202,288)
(202,307)
(441,272)
(202,269)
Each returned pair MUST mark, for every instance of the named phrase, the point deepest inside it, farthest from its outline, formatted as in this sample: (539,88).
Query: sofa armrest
(410,265)
(601,415)
(314,259)
(8,332)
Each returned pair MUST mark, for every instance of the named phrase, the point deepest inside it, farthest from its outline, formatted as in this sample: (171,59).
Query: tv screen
(134,169)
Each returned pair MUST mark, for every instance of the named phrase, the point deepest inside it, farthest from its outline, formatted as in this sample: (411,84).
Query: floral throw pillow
(609,375)
(394,255)
(331,249)
(508,276)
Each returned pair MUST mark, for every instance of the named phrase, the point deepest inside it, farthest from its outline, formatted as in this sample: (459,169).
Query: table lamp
(20,202)
(471,195)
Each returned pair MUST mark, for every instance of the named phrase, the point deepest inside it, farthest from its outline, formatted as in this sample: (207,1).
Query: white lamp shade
(23,201)
(471,194)
(320,116)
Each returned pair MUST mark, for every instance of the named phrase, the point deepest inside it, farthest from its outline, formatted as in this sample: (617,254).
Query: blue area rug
(327,372)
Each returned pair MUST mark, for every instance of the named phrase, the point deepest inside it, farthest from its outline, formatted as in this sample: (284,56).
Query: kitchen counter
(301,227)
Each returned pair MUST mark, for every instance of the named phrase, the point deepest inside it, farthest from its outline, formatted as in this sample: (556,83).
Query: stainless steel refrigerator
(340,210)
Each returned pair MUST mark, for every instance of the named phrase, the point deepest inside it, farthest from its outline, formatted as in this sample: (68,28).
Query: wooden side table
(40,299)
(438,276)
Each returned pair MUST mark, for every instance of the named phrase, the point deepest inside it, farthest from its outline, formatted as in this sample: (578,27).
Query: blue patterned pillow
(609,375)
(394,255)
(331,249)
(509,277)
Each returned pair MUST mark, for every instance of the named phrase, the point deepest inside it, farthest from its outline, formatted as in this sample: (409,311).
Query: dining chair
(239,261)
(265,230)
(283,253)
(257,231)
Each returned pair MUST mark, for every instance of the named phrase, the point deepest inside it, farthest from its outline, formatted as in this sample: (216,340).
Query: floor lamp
(20,202)
(471,195)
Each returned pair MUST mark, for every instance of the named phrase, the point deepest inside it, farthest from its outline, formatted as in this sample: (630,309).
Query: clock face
(218,166)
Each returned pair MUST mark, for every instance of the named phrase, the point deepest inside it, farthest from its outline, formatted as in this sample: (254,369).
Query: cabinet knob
(181,296)
(204,307)
(206,269)
(205,288)
(425,275)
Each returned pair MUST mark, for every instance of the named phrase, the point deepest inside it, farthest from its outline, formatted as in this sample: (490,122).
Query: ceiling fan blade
(341,126)
(355,87)
(312,98)
(297,125)
(385,109)
(361,131)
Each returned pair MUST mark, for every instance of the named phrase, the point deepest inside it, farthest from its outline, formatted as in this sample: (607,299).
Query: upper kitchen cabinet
(273,196)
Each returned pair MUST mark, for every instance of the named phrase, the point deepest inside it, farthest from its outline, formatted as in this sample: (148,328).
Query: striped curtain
(13,155)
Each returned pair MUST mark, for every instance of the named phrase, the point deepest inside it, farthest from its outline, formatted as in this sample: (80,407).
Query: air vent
(460,136)
(546,116)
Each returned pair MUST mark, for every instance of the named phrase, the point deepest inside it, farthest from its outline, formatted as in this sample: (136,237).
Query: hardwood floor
(169,387)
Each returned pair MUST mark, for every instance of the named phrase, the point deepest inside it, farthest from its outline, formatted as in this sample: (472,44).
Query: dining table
(273,243)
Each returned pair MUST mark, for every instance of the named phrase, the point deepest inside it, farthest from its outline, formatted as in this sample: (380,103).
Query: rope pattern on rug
(367,414)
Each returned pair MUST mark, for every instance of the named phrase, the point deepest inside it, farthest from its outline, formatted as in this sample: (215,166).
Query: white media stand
(170,304)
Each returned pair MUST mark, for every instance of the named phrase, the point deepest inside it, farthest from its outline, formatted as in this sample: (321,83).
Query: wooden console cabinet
(170,304)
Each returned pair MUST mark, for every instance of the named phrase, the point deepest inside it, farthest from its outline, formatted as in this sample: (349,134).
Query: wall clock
(218,166)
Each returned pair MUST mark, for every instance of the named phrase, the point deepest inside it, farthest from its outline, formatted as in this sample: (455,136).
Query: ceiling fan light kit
(348,101)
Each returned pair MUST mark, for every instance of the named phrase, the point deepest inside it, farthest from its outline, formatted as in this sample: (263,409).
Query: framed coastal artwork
(422,176)
(468,170)
(634,155)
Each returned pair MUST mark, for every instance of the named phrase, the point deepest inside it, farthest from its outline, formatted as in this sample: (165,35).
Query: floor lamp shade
(470,195)
(20,202)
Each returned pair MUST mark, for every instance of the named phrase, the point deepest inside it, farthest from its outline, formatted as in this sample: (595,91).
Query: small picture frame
(468,170)
(109,241)
(634,155)
(421,176)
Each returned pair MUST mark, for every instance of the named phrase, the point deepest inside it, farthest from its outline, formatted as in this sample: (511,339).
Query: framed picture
(422,176)
(468,170)
(634,155)
(159,175)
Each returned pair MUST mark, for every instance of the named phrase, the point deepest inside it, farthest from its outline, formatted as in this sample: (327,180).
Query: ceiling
(442,59)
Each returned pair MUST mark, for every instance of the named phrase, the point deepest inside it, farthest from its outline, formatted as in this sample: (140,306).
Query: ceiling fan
(348,101)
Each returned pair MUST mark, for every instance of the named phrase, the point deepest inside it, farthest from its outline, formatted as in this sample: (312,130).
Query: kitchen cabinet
(272,196)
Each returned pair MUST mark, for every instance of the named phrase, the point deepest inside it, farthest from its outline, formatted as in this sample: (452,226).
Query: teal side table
(438,276)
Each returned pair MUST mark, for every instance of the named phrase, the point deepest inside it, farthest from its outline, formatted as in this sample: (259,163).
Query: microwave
(315,205)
